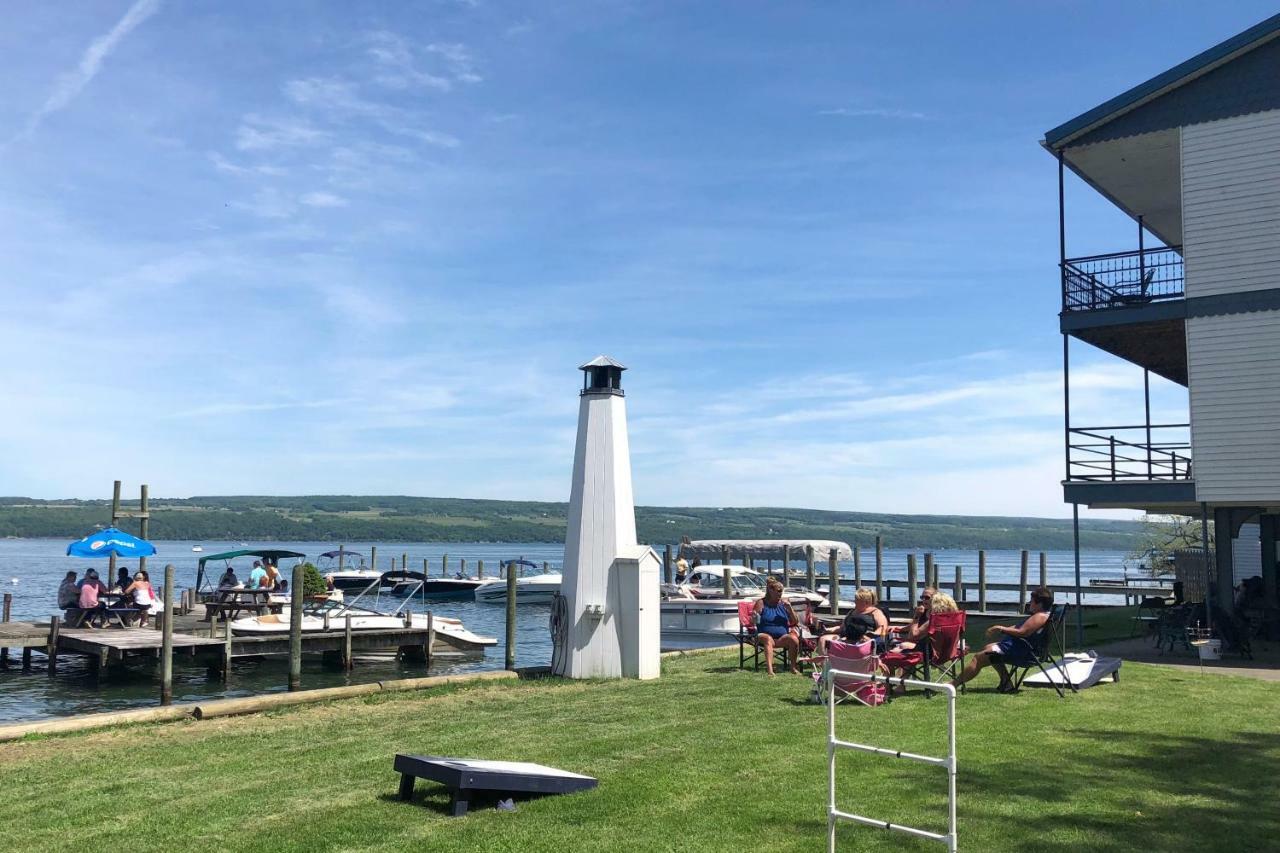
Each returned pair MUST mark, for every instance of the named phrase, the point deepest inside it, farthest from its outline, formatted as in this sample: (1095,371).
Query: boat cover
(764,549)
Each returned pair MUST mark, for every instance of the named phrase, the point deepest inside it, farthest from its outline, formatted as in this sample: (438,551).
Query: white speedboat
(339,575)
(314,621)
(699,607)
(541,588)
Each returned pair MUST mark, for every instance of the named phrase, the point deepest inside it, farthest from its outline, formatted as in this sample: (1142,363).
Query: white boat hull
(446,628)
(539,589)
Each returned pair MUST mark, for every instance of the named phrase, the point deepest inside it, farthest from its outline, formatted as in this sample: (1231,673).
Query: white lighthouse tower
(608,617)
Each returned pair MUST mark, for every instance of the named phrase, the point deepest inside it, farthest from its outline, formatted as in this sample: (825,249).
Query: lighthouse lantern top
(602,375)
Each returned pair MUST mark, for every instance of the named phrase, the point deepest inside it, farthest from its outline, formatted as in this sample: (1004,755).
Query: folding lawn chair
(850,657)
(1040,647)
(946,647)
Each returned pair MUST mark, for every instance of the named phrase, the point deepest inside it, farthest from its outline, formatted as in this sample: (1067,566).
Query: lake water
(31,570)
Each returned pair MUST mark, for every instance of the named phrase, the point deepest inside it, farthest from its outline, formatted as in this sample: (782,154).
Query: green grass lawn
(706,758)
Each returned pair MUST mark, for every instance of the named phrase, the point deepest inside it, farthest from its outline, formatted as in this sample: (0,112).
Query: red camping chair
(946,646)
(747,634)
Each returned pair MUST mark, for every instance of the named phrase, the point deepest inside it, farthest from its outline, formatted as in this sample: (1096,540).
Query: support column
(1224,589)
(1270,526)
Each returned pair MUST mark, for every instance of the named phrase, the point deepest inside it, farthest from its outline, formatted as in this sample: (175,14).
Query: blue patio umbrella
(110,541)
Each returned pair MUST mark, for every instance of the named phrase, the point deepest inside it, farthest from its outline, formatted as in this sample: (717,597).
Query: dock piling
(1022,581)
(404,562)
(479,569)
(52,652)
(295,630)
(833,590)
(462,567)
(727,581)
(958,589)
(930,571)
(982,581)
(879,568)
(431,639)
(1044,569)
(166,639)
(666,565)
(911,581)
(857,567)
(444,566)
(346,645)
(512,572)
(373,557)
(226,651)
(8,606)
(810,569)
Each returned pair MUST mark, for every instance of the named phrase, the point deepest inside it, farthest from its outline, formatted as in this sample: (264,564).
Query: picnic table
(230,602)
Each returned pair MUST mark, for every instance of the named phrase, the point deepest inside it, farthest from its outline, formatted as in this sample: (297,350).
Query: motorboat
(698,606)
(539,588)
(404,583)
(338,575)
(196,549)
(332,616)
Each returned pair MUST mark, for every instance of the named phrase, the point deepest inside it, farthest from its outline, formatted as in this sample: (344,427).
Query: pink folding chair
(850,657)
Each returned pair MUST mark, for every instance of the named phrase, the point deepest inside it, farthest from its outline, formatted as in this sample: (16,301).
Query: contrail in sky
(70,84)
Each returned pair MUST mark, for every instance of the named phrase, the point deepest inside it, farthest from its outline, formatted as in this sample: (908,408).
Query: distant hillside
(342,518)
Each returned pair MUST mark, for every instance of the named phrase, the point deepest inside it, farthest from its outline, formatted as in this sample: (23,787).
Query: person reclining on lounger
(776,625)
(1012,649)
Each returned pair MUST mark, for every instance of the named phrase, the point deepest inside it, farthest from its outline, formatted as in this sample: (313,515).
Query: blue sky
(361,248)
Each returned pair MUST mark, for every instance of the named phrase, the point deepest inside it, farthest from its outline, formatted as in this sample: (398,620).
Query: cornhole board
(1084,671)
(465,776)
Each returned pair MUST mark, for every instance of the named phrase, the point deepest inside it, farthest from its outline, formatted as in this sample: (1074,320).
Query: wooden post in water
(444,566)
(911,581)
(930,579)
(52,648)
(226,651)
(144,522)
(982,581)
(8,606)
(1044,569)
(373,557)
(857,567)
(724,562)
(347,663)
(404,562)
(666,565)
(431,639)
(295,631)
(166,639)
(833,591)
(342,556)
(115,514)
(786,565)
(1022,582)
(512,571)
(959,587)
(810,570)
(879,569)
(479,569)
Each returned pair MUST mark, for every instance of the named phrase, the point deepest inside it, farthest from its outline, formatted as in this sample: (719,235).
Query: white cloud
(322,199)
(72,83)
(339,101)
(400,65)
(259,133)
(875,112)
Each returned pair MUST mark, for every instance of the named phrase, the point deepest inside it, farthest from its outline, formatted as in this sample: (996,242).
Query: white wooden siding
(1233,363)
(1231,204)
(1246,553)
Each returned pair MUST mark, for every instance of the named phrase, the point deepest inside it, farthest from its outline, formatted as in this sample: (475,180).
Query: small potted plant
(314,587)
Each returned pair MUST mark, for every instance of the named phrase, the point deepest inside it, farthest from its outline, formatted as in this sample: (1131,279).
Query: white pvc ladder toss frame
(834,744)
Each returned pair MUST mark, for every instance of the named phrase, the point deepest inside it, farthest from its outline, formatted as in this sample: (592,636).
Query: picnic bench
(230,603)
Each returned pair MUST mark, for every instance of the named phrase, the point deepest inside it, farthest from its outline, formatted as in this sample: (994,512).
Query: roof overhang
(1158,497)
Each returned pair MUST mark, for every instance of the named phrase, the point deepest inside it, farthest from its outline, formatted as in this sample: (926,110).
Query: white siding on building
(1231,204)
(1246,553)
(1233,363)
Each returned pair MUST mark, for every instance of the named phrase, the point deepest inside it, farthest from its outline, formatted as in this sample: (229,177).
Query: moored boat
(539,588)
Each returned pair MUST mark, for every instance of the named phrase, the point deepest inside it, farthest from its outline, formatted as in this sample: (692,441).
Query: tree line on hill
(345,518)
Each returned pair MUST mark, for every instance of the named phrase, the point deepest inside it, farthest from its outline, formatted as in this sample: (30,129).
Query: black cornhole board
(462,776)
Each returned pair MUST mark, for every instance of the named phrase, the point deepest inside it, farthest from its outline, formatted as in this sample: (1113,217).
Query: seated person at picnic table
(273,576)
(68,592)
(865,620)
(776,625)
(1011,649)
(228,578)
(258,577)
(123,579)
(143,595)
(90,589)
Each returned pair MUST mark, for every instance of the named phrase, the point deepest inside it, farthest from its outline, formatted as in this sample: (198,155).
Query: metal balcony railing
(1129,453)
(1122,279)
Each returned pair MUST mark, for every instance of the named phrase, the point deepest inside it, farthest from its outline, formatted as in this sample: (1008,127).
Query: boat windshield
(748,583)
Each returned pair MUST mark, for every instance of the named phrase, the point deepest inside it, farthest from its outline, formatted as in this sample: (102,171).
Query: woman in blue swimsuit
(776,626)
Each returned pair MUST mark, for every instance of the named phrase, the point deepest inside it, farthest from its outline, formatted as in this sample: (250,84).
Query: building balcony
(1122,280)
(1143,467)
(1132,305)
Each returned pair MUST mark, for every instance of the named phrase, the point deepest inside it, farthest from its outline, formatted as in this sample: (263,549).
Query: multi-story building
(1193,295)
